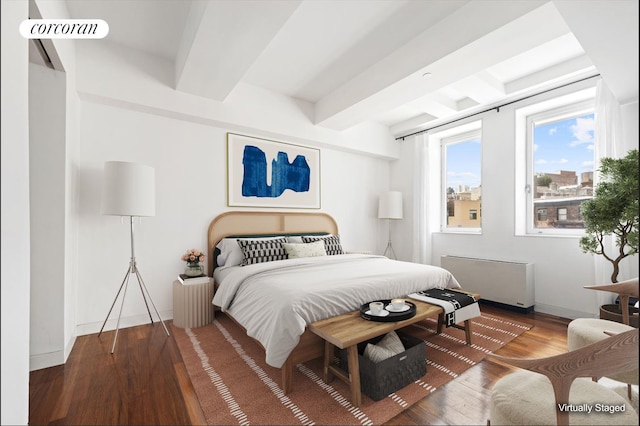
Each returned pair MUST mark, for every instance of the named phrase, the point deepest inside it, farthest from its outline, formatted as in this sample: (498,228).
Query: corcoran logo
(64,28)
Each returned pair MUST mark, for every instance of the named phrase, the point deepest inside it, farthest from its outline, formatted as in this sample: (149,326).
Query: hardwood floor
(146,382)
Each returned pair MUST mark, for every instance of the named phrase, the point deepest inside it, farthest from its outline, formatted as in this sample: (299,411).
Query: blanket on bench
(458,307)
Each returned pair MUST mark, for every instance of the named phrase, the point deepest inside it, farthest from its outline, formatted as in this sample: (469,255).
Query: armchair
(559,394)
(584,331)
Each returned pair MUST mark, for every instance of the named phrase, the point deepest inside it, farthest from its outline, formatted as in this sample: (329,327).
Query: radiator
(510,283)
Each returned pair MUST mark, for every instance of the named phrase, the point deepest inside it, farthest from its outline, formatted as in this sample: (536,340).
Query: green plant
(613,210)
(544,181)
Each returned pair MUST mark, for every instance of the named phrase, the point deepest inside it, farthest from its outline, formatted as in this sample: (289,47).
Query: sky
(561,145)
(463,164)
(564,145)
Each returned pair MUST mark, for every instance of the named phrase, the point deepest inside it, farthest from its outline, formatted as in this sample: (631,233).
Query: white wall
(47,141)
(561,269)
(190,165)
(55,117)
(130,112)
(135,80)
(15,216)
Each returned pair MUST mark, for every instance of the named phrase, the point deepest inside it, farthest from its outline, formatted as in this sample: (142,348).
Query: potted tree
(613,210)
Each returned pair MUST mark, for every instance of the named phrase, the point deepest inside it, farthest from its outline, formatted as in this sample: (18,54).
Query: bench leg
(467,331)
(440,323)
(328,356)
(354,375)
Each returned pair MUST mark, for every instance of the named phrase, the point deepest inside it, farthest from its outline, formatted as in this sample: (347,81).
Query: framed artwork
(266,173)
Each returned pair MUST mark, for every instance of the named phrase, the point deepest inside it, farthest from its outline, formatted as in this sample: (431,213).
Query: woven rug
(235,386)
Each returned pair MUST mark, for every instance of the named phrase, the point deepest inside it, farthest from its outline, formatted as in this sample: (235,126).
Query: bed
(273,297)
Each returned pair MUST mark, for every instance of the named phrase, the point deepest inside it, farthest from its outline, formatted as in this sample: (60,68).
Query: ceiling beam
(221,41)
(436,105)
(608,33)
(570,69)
(481,87)
(449,53)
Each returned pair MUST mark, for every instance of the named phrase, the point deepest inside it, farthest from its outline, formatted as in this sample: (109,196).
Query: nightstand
(192,305)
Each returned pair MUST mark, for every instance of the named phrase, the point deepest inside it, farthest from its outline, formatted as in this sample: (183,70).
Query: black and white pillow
(258,251)
(331,243)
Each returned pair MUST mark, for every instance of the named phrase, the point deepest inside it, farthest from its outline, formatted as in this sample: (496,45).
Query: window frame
(545,116)
(463,135)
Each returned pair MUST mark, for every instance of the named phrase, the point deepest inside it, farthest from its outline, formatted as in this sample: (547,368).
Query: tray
(393,316)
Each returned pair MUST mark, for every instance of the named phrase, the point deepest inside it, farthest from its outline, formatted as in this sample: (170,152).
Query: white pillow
(389,346)
(230,251)
(305,249)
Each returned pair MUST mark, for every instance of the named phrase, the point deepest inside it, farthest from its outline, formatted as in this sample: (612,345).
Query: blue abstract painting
(284,175)
(267,173)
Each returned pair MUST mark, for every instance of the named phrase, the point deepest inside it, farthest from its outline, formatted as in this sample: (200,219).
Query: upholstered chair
(584,331)
(557,389)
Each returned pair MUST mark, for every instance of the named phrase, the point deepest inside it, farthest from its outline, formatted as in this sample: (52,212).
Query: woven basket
(377,380)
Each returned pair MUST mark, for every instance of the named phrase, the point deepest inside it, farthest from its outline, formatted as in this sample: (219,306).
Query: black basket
(378,380)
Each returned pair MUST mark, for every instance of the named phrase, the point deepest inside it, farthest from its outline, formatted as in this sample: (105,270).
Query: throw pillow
(258,251)
(389,346)
(295,251)
(331,243)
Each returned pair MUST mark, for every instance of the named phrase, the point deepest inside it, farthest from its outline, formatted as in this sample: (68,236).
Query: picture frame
(267,173)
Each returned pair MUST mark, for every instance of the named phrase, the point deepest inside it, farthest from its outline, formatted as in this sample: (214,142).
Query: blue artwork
(284,175)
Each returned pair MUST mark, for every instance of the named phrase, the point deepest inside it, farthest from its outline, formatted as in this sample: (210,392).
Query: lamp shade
(129,189)
(390,205)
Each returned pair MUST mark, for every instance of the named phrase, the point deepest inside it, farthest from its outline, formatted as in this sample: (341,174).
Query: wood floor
(145,380)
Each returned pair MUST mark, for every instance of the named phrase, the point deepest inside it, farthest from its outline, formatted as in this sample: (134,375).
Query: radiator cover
(504,282)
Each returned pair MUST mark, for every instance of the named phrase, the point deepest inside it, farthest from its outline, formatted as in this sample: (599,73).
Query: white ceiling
(362,60)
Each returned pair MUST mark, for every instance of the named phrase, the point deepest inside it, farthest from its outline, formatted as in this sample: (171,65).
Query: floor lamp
(390,207)
(129,190)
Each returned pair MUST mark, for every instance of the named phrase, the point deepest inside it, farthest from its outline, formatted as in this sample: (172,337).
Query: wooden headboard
(264,223)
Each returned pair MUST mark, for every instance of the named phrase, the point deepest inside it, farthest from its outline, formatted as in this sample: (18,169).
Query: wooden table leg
(328,355)
(467,331)
(354,375)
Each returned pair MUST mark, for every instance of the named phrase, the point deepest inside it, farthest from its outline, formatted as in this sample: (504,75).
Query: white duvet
(274,301)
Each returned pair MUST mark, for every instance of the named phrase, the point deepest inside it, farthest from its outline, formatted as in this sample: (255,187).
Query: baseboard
(507,307)
(51,359)
(563,312)
(541,308)
(125,322)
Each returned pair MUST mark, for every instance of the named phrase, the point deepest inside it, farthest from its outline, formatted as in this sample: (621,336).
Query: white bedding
(274,301)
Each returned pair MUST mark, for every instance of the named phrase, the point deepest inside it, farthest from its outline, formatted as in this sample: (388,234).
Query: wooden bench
(346,331)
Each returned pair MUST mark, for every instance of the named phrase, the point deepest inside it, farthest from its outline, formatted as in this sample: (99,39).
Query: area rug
(235,386)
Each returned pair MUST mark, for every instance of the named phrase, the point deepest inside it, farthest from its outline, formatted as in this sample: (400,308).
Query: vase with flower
(193,257)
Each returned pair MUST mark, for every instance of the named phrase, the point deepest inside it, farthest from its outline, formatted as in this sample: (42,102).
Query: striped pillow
(331,243)
(258,251)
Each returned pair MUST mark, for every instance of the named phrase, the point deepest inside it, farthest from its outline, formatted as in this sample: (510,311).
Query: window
(560,160)
(562,214)
(462,185)
(542,215)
